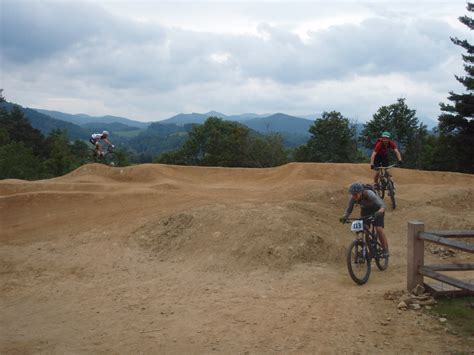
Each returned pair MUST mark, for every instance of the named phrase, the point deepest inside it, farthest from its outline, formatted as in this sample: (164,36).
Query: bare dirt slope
(156,258)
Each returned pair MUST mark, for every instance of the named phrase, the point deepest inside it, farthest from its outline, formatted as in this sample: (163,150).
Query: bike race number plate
(357,226)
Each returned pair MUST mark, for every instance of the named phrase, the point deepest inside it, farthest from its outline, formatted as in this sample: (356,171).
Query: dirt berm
(169,259)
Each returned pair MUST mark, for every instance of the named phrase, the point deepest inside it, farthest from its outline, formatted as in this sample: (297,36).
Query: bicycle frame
(367,234)
(386,183)
(365,248)
(383,171)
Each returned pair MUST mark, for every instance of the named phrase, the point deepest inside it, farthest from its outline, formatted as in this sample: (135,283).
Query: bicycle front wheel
(111,159)
(358,262)
(391,193)
(380,260)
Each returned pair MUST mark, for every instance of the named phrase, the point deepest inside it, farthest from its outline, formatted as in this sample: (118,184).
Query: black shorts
(381,160)
(379,220)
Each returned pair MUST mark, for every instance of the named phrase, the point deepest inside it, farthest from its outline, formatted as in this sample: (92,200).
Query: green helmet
(386,134)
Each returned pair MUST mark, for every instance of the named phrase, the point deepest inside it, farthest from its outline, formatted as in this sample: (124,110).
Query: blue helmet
(356,187)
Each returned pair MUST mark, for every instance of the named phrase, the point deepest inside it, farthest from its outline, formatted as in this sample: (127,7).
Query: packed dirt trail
(168,259)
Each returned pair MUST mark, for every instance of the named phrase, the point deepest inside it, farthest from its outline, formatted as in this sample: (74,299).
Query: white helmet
(105,133)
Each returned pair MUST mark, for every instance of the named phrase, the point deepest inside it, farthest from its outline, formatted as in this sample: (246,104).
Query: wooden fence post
(415,254)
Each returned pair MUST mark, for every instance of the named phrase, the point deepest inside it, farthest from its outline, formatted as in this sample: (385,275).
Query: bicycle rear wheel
(391,193)
(358,262)
(382,185)
(380,260)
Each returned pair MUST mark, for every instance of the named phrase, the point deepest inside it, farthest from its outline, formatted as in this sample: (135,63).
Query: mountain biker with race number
(379,155)
(95,140)
(371,204)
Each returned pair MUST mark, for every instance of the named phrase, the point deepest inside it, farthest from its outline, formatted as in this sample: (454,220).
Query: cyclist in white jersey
(95,140)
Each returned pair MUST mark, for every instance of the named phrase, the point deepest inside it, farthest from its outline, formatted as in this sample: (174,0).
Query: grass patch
(459,312)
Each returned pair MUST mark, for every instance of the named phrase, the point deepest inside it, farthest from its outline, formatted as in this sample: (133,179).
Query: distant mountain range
(184,118)
(278,122)
(82,119)
(294,130)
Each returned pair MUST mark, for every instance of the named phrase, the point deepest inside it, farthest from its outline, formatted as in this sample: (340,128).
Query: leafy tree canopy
(332,140)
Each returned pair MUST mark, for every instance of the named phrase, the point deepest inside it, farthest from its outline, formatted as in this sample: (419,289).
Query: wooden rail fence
(417,270)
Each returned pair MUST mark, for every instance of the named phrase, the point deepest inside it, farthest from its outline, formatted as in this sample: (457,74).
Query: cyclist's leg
(98,151)
(378,162)
(379,224)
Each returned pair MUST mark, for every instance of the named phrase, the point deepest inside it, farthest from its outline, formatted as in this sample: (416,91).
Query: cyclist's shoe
(385,254)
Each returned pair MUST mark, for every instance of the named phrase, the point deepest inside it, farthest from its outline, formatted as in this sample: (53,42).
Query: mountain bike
(109,157)
(385,183)
(363,249)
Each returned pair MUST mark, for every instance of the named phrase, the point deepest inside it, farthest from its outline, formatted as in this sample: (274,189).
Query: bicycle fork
(360,237)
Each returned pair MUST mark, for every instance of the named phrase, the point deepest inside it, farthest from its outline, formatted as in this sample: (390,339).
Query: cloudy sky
(149,60)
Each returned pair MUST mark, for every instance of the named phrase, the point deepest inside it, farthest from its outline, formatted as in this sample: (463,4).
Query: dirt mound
(230,237)
(173,259)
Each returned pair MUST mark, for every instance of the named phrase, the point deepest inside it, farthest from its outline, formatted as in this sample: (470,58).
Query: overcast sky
(149,60)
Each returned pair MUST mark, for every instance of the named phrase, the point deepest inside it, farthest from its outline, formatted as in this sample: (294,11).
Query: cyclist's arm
(397,153)
(372,157)
(349,208)
(107,141)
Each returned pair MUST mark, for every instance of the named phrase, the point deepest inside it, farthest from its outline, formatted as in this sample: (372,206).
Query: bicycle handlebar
(384,167)
(369,218)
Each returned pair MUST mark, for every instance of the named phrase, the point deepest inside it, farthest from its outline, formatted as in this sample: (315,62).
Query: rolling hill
(81,119)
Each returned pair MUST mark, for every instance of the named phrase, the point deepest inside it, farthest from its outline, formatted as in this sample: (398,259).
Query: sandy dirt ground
(167,259)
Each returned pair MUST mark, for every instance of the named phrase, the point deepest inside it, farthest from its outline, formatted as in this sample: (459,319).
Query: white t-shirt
(96,137)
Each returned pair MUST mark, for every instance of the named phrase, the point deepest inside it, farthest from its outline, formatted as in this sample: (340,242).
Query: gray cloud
(80,46)
(35,30)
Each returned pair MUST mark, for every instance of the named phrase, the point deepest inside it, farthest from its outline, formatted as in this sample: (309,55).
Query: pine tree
(456,124)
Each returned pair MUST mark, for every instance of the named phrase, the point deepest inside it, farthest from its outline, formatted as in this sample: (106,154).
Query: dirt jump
(168,259)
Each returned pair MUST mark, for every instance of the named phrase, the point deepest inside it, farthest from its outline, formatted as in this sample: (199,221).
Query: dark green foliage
(265,151)
(228,144)
(216,143)
(437,153)
(456,123)
(17,161)
(4,137)
(403,125)
(293,140)
(123,157)
(81,150)
(19,130)
(159,138)
(333,140)
(61,159)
